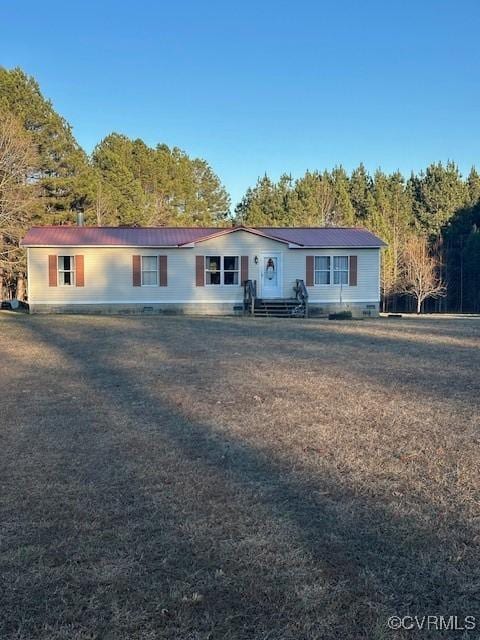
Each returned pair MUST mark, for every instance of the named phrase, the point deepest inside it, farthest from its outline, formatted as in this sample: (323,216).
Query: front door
(271,275)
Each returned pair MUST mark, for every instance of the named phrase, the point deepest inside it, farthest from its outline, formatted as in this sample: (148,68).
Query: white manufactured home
(269,271)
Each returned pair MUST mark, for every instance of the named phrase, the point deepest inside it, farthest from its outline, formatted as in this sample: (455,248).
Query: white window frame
(315,271)
(339,271)
(61,272)
(222,271)
(142,271)
(333,271)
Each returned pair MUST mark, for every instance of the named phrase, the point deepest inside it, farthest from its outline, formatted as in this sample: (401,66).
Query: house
(202,270)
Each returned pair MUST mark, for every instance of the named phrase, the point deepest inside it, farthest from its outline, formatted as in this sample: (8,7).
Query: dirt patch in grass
(204,478)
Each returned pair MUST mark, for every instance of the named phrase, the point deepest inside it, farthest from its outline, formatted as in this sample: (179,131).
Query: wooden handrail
(249,295)
(301,294)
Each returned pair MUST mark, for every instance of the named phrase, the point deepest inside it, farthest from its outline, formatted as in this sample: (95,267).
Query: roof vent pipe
(80,219)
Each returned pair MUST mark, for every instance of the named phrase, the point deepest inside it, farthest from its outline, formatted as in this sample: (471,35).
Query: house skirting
(316,309)
(142,308)
(358,309)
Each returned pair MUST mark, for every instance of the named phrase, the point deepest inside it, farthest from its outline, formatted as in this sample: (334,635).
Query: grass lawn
(236,479)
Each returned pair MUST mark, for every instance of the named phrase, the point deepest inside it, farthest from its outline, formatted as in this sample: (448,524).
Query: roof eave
(105,246)
(189,245)
(340,246)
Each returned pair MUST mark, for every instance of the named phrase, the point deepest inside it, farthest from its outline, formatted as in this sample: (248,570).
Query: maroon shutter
(136,271)
(52,271)
(309,271)
(353,271)
(199,271)
(162,268)
(79,271)
(244,269)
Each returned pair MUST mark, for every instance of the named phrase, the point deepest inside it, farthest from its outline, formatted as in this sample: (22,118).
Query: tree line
(385,201)
(46,178)
(430,219)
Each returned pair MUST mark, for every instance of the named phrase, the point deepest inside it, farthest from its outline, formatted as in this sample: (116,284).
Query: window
(213,270)
(340,270)
(149,271)
(66,271)
(230,270)
(222,270)
(322,270)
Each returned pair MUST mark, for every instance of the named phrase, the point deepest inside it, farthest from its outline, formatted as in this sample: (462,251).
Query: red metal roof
(325,236)
(66,236)
(114,236)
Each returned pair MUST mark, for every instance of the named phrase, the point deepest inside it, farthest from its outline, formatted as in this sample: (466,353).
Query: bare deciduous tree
(420,272)
(17,196)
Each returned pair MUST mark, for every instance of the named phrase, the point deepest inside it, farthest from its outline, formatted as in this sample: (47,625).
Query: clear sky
(265,86)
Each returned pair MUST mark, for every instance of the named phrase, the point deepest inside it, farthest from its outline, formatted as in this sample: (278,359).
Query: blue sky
(257,87)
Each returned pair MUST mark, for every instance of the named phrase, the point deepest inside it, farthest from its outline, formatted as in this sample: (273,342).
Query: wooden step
(277,308)
(276,300)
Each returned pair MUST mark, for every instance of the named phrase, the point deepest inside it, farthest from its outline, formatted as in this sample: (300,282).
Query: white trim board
(176,246)
(105,246)
(70,302)
(239,300)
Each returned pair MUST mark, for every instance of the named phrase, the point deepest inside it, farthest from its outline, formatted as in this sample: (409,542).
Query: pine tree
(161,186)
(344,211)
(390,216)
(114,162)
(462,239)
(473,186)
(261,206)
(62,165)
(360,185)
(316,200)
(437,194)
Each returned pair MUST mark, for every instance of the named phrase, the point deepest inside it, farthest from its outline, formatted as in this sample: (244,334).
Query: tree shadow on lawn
(437,371)
(131,520)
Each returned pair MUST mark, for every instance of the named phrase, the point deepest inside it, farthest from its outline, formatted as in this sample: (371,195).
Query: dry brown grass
(196,478)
